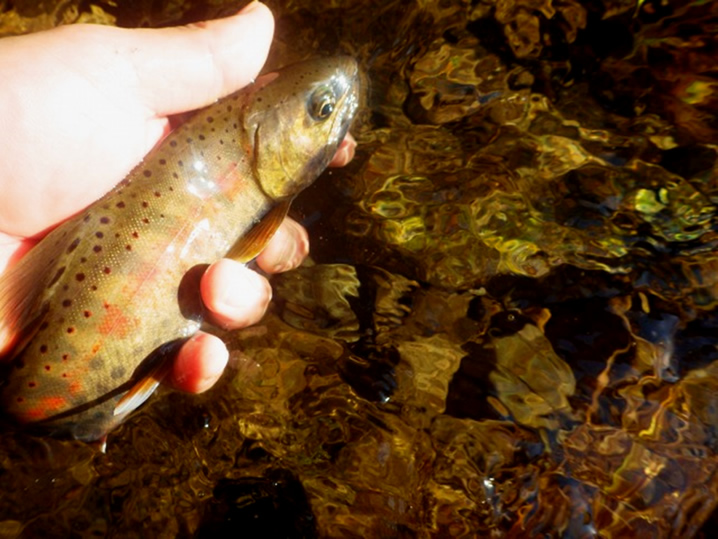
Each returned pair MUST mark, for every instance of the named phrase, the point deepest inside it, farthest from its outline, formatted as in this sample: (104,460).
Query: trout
(98,307)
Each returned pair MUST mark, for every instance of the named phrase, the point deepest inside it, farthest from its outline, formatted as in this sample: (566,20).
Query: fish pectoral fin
(252,243)
(142,390)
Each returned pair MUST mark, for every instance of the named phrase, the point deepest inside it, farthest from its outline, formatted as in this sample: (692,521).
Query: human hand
(81,105)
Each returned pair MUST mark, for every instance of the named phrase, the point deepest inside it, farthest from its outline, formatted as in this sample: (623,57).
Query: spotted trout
(98,304)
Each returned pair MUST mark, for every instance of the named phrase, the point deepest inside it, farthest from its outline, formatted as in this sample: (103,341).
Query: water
(509,325)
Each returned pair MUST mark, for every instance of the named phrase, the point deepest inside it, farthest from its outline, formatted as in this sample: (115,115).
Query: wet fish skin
(99,294)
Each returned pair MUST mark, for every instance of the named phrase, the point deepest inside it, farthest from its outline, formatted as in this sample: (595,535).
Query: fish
(101,304)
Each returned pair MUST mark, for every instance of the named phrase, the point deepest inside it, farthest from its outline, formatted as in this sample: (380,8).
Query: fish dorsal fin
(25,287)
(252,243)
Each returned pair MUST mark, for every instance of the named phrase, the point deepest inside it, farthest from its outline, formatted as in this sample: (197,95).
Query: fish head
(298,119)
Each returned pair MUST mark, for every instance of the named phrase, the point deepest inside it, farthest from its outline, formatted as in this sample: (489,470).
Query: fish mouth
(346,83)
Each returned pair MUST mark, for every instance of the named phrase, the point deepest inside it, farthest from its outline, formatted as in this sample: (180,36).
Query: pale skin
(82,105)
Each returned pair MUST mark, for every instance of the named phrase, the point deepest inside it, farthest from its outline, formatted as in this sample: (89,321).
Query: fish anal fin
(252,243)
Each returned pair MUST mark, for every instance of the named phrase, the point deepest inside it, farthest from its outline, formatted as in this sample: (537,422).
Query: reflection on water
(510,324)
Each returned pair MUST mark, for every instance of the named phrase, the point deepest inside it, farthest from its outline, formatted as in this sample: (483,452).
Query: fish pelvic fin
(252,243)
(143,389)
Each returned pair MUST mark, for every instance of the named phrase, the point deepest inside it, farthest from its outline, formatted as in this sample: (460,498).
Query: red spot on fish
(31,384)
(107,270)
(47,367)
(65,357)
(64,375)
(80,277)
(71,330)
(104,220)
(87,314)
(20,399)
(43,349)
(114,322)
(75,388)
(96,348)
(52,404)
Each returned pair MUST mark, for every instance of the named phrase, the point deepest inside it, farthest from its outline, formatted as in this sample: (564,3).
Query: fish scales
(108,295)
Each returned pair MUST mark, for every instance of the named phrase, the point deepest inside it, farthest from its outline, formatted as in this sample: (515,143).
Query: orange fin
(25,287)
(142,390)
(252,243)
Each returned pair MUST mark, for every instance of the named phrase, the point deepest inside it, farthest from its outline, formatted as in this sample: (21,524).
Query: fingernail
(245,289)
(249,7)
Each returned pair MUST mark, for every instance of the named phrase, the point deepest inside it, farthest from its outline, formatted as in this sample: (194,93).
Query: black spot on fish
(173,143)
(79,277)
(201,137)
(99,235)
(158,194)
(145,204)
(43,326)
(66,302)
(65,357)
(174,175)
(31,384)
(70,330)
(73,245)
(65,287)
(229,108)
(146,221)
(180,163)
(147,173)
(58,273)
(43,349)
(210,119)
(120,204)
(83,260)
(118,373)
(172,188)
(47,367)
(86,218)
(221,141)
(128,247)
(97,248)
(189,140)
(93,288)
(104,220)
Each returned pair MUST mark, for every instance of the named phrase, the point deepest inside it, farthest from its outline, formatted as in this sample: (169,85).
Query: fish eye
(321,104)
